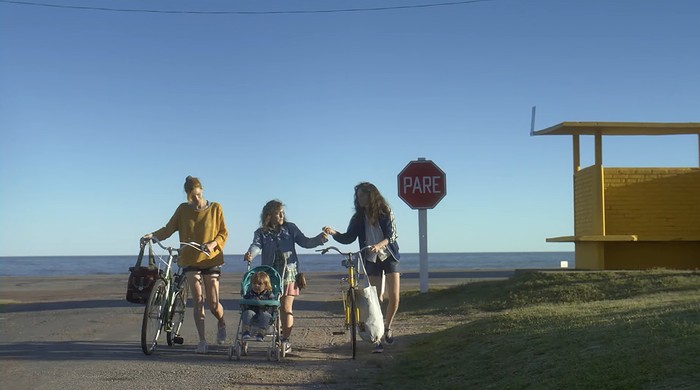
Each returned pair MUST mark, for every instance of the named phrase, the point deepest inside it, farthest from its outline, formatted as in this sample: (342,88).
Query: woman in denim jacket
(276,239)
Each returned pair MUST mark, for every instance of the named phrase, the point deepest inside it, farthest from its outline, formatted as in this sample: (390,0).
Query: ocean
(114,265)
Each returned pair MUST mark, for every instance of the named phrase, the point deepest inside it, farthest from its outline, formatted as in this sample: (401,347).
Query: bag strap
(364,270)
(151,258)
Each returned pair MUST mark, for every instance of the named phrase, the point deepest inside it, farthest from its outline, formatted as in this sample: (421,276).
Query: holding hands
(329,230)
(323,235)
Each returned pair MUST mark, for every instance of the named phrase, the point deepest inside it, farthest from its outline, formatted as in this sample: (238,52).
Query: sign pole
(423,248)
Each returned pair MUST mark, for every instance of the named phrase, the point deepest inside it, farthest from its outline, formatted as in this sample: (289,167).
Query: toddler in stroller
(261,290)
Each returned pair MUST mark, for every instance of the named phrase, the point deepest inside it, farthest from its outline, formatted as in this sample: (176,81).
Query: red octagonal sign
(422,185)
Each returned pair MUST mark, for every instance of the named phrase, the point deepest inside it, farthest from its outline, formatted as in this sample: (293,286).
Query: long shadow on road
(99,350)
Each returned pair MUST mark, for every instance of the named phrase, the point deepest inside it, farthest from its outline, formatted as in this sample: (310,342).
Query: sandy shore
(80,333)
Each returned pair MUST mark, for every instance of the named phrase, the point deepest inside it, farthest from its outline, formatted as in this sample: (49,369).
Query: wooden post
(577,153)
(598,148)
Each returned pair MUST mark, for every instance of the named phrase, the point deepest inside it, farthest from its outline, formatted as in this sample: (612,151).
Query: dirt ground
(80,333)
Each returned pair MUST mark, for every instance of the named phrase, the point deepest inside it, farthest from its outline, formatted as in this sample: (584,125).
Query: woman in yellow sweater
(200,221)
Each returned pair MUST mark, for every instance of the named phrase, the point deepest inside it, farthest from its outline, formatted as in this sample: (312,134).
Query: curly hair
(376,204)
(268,220)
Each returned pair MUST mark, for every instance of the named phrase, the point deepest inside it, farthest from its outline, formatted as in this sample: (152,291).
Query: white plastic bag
(371,325)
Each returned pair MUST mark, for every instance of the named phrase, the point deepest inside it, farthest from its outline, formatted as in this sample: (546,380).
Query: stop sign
(422,185)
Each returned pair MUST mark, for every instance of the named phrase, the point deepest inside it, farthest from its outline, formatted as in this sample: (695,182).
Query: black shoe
(378,348)
(389,336)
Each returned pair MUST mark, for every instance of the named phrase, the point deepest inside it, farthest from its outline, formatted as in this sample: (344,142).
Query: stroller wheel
(245,349)
(238,350)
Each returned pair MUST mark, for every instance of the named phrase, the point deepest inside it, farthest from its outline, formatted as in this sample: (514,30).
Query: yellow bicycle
(348,291)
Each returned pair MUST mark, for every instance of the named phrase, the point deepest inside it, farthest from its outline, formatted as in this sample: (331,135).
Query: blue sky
(104,113)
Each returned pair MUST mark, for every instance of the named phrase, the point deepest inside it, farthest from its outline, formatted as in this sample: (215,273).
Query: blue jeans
(261,320)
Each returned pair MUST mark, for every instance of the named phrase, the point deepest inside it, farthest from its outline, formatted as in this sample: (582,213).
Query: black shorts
(216,270)
(388,266)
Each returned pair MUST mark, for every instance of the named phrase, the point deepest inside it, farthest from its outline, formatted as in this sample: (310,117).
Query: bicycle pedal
(178,340)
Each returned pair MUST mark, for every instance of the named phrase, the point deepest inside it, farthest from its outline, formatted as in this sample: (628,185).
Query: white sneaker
(202,348)
(286,346)
(221,335)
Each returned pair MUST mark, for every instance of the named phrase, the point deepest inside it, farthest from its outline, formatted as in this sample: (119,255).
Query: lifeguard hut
(632,218)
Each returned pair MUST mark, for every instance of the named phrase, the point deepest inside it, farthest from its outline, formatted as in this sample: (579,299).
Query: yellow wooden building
(632,218)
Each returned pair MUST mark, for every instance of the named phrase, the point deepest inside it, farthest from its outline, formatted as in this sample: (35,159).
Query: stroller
(239,346)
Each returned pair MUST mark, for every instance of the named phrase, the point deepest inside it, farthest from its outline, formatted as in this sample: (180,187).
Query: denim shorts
(388,266)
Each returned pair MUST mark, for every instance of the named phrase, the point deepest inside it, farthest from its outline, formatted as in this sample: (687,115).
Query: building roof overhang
(621,128)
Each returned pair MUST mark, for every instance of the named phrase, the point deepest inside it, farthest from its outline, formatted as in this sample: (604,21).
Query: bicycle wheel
(153,317)
(177,314)
(353,320)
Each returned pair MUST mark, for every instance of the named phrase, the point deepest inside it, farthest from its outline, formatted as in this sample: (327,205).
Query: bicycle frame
(168,299)
(350,309)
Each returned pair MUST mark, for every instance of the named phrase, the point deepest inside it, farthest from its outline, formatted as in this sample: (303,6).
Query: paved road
(80,333)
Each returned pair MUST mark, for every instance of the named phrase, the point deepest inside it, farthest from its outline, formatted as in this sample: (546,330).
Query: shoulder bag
(142,278)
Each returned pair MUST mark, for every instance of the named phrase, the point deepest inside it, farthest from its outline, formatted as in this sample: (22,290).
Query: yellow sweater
(201,227)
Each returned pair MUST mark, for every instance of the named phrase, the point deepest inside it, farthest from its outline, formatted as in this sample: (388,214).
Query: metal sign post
(422,185)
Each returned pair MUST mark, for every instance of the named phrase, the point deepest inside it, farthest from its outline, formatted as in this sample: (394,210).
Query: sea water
(113,265)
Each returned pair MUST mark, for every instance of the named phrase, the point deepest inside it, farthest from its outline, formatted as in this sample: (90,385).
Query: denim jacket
(268,242)
(356,230)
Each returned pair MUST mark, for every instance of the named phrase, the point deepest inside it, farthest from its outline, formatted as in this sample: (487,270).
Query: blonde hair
(191,183)
(263,277)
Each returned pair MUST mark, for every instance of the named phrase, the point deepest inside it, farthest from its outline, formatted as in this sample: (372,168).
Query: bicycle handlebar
(328,248)
(200,247)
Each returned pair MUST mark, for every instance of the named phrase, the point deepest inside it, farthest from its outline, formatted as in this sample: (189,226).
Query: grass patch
(632,329)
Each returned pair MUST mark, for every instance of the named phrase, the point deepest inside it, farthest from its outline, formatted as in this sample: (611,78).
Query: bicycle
(350,309)
(165,309)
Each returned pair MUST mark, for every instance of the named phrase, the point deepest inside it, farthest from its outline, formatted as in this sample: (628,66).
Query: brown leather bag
(142,279)
(301,281)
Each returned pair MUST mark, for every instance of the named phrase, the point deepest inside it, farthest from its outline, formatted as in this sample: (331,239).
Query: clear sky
(104,113)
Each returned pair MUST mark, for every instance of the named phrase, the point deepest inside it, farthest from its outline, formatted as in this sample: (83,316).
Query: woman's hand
(145,238)
(211,245)
(378,246)
(324,236)
(247,257)
(329,230)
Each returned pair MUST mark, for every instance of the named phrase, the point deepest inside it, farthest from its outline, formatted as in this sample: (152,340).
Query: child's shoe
(259,337)
(246,335)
